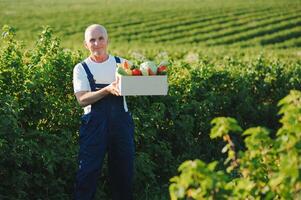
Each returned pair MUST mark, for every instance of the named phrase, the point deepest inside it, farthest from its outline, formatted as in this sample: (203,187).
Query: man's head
(96,40)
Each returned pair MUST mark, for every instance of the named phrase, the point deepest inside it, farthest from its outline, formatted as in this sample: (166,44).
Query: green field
(248,23)
(234,58)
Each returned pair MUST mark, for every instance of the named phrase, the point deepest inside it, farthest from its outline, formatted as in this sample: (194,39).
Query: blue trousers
(106,129)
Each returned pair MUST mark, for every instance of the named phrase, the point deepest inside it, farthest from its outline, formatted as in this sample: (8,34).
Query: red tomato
(136,72)
(162,70)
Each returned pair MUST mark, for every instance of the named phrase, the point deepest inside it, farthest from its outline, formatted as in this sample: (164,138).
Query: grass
(145,22)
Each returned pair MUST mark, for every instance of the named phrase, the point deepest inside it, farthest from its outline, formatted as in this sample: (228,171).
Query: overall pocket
(85,119)
(85,122)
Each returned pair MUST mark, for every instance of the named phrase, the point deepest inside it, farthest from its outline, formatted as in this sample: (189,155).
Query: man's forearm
(88,98)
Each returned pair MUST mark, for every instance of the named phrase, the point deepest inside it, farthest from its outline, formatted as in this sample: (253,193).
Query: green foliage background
(269,168)
(211,75)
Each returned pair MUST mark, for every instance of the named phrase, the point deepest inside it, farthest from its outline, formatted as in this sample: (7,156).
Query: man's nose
(97,42)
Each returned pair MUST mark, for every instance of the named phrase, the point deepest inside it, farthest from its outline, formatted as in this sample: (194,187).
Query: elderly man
(107,126)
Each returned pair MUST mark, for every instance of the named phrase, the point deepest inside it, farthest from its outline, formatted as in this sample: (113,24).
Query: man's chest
(104,74)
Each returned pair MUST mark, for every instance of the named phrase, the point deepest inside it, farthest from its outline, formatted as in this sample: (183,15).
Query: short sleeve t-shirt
(103,73)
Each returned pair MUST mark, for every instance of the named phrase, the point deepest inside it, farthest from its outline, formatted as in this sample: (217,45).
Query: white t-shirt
(103,73)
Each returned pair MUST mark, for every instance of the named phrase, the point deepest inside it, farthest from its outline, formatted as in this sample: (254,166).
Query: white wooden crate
(143,85)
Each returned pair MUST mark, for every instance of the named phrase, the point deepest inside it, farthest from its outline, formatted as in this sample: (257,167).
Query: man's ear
(85,44)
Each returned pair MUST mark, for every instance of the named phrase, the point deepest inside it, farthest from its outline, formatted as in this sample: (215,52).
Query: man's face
(96,42)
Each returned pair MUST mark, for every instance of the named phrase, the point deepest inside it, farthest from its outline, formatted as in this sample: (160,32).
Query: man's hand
(85,98)
(113,88)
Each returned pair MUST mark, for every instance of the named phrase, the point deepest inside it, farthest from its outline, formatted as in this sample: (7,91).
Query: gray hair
(96,26)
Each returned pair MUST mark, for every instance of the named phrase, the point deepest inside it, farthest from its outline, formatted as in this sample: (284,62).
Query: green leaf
(223,126)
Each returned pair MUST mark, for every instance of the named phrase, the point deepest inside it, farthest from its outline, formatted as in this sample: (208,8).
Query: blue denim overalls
(107,128)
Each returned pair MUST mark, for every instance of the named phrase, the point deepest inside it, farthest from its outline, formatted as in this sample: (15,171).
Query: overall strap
(89,76)
(117,59)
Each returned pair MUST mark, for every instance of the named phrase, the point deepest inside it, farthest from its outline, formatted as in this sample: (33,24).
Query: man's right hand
(113,88)
(85,98)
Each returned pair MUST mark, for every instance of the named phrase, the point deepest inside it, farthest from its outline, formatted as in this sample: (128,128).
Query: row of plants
(213,29)
(228,31)
(164,26)
(210,25)
(267,27)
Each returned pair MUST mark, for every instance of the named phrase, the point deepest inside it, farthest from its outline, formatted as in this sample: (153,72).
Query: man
(107,126)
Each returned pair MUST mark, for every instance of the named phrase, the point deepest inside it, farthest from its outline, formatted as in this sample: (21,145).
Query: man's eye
(92,40)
